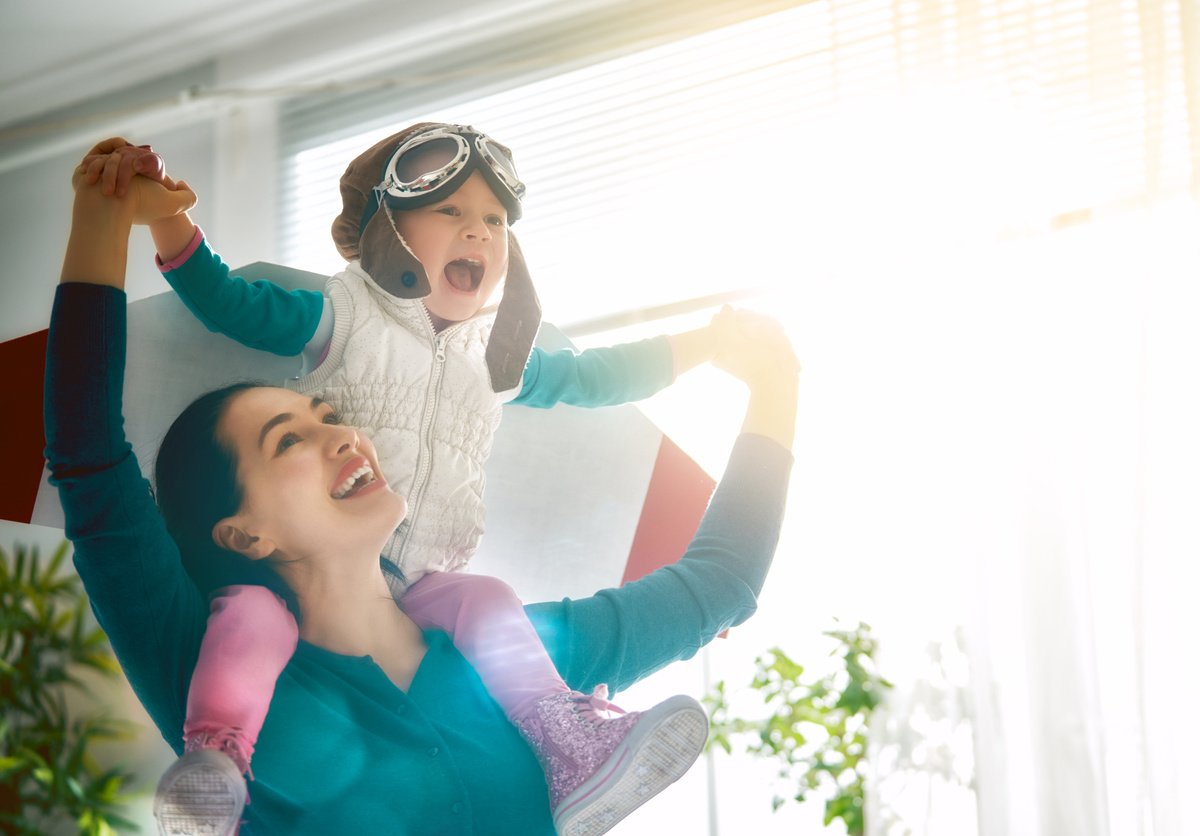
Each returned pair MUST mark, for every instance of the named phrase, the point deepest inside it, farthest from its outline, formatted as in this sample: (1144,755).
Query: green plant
(817,728)
(49,780)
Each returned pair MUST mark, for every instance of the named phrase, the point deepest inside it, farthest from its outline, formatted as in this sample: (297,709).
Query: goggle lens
(426,163)
(429,164)
(501,164)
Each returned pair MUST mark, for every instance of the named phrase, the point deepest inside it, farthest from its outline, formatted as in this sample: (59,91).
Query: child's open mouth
(464,274)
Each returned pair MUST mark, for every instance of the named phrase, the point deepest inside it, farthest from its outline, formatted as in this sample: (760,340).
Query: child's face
(462,242)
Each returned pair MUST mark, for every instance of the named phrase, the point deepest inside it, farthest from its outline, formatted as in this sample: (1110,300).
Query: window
(978,220)
(772,149)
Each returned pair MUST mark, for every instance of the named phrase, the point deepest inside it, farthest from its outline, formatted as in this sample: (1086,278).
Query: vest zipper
(425,442)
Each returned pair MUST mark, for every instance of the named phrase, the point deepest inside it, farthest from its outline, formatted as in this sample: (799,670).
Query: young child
(399,344)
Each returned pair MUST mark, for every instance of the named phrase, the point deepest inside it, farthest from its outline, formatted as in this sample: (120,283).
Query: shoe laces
(228,742)
(596,702)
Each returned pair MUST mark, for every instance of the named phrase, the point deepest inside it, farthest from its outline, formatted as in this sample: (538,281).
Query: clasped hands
(133,178)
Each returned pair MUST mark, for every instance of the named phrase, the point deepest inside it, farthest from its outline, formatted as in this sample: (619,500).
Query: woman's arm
(98,244)
(142,598)
(620,635)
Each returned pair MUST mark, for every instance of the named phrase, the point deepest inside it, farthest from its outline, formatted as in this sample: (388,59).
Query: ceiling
(56,53)
(61,60)
(72,70)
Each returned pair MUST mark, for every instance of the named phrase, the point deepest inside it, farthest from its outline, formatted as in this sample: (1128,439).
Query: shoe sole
(202,794)
(657,752)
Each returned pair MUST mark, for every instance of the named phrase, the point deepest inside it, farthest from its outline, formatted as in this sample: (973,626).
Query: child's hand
(114,163)
(144,200)
(723,330)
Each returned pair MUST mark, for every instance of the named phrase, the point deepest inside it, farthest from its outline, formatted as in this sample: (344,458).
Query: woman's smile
(355,479)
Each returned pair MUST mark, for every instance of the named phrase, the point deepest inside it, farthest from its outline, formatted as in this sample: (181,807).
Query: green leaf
(46,641)
(74,787)
(816,733)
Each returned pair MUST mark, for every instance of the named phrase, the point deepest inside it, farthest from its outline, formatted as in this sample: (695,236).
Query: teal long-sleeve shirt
(264,316)
(343,749)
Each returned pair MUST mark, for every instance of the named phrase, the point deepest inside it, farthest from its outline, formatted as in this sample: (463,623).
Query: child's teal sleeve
(258,314)
(597,377)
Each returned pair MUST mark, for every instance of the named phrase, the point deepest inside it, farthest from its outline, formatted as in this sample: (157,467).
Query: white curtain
(1081,619)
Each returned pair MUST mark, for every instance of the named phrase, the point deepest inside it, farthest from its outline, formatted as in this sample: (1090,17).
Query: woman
(375,726)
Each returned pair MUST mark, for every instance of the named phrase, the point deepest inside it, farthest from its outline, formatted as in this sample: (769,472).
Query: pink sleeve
(178,261)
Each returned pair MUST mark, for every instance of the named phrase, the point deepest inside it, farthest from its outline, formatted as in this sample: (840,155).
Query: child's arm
(259,315)
(617,374)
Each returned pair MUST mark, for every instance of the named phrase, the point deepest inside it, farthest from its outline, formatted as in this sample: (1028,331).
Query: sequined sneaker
(601,769)
(201,794)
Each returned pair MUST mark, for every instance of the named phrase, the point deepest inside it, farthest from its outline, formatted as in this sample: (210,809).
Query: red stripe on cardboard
(676,498)
(24,440)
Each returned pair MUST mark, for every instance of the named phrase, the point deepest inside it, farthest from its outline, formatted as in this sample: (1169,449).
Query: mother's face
(311,485)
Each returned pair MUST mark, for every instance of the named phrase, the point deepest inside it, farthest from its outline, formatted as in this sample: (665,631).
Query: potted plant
(50,781)
(816,728)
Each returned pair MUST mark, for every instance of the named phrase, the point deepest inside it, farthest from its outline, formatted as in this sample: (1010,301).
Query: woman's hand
(98,246)
(143,200)
(114,162)
(754,348)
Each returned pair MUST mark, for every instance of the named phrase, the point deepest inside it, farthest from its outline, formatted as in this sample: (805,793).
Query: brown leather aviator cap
(364,233)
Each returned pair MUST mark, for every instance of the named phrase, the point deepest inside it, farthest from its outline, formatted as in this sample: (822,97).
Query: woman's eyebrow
(314,404)
(272,424)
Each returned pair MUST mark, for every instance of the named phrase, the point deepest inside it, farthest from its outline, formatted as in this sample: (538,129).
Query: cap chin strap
(517,321)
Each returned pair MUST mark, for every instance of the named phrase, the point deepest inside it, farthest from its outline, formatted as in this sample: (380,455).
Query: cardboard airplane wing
(577,499)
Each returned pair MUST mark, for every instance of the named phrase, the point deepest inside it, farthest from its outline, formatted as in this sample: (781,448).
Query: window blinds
(736,157)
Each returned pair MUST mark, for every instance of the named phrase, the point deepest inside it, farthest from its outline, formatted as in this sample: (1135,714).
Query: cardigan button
(408,278)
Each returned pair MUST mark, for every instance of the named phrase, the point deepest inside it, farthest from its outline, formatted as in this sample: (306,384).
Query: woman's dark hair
(196,485)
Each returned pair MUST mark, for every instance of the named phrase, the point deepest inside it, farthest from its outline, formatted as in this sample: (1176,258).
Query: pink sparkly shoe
(600,769)
(203,793)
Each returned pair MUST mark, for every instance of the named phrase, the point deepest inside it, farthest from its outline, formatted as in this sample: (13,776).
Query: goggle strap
(372,207)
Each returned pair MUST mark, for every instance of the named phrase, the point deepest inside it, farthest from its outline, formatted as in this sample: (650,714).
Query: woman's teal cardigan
(344,750)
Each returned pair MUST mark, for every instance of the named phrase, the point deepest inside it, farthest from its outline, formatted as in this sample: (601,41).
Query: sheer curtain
(1080,627)
(978,220)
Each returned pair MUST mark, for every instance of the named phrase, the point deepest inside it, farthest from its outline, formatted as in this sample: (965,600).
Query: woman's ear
(230,533)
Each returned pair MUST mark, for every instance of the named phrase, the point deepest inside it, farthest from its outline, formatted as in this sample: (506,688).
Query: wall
(35,214)
(223,159)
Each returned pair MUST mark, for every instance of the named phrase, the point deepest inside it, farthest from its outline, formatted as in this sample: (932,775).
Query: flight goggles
(433,163)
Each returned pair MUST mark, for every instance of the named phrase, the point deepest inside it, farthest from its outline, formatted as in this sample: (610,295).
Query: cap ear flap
(389,262)
(516,325)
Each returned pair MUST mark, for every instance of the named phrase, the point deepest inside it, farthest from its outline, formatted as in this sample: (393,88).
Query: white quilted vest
(426,402)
